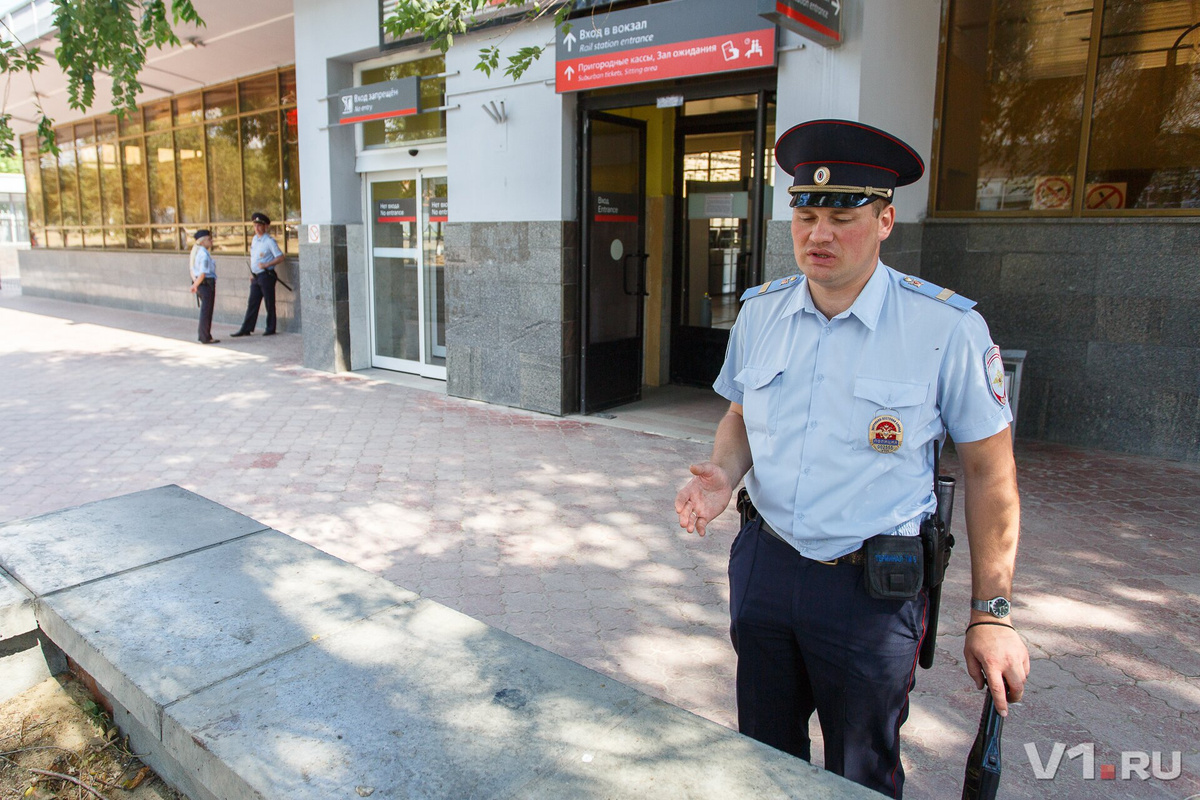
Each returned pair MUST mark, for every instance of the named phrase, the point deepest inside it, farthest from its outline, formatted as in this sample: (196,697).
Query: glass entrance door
(614,266)
(408,212)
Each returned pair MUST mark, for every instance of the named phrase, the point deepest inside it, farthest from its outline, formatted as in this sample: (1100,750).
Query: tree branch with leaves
(106,37)
(439,21)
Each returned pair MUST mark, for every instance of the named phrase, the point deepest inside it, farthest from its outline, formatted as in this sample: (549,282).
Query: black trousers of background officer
(809,638)
(207,292)
(262,289)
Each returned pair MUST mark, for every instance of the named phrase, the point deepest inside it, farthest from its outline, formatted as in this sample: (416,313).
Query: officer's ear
(887,219)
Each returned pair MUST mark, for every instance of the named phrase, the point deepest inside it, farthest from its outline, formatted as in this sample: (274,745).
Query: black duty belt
(855,558)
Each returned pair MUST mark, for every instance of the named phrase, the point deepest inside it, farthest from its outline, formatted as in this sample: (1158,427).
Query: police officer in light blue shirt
(204,282)
(265,255)
(841,382)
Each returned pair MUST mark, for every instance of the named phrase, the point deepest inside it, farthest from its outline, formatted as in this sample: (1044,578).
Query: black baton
(982,778)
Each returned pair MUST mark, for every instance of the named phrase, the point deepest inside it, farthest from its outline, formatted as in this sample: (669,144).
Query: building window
(1070,107)
(424,127)
(206,159)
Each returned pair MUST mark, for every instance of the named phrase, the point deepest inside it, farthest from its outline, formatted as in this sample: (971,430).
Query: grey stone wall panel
(151,282)
(1107,313)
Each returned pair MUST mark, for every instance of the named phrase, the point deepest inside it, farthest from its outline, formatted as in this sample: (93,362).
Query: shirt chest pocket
(762,391)
(876,399)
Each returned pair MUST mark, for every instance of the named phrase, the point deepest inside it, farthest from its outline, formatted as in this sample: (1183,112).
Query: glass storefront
(1070,107)
(209,158)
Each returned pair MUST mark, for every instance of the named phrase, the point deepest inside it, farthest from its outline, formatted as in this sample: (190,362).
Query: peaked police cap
(838,163)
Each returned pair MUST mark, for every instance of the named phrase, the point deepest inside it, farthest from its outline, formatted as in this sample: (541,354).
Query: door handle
(639,276)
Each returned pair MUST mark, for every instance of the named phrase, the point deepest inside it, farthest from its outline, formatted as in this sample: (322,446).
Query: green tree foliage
(439,21)
(96,36)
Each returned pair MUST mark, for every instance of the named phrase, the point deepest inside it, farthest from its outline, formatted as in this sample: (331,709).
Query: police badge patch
(886,433)
(993,366)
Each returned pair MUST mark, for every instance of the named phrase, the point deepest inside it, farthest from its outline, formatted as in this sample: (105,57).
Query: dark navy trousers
(262,291)
(809,638)
(207,292)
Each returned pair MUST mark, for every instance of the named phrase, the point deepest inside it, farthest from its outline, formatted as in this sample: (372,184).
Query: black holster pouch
(894,566)
(746,509)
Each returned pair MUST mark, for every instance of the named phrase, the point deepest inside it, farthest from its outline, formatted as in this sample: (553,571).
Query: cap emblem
(821,176)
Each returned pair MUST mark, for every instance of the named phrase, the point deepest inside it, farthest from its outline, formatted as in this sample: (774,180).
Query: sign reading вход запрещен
(373,101)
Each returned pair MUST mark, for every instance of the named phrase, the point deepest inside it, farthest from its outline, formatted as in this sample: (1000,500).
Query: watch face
(999,607)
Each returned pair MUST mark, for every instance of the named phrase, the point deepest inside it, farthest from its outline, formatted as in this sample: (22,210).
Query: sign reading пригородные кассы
(660,42)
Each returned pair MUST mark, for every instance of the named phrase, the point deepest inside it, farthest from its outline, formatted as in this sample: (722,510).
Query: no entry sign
(666,40)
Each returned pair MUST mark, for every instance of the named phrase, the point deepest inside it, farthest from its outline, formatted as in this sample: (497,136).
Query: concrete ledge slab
(69,547)
(154,635)
(16,608)
(424,702)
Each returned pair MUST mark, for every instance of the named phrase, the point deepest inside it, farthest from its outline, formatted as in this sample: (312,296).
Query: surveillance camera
(413,152)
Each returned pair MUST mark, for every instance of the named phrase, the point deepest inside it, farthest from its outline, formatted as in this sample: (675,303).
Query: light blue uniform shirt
(811,390)
(262,250)
(203,264)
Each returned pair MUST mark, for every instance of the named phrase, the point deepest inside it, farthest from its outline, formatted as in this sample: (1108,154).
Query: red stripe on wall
(792,13)
(615,218)
(381,115)
(396,219)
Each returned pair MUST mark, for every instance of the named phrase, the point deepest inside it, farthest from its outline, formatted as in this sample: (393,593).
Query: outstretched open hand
(703,497)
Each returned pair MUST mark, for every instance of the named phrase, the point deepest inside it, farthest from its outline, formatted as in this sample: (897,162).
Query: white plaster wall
(520,170)
(344,33)
(899,83)
(884,74)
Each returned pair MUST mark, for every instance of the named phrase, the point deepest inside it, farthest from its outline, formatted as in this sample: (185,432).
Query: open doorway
(725,177)
(676,240)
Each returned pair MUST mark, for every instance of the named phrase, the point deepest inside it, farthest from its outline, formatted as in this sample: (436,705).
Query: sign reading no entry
(396,98)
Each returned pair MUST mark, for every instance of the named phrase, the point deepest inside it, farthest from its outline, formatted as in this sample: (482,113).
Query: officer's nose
(822,230)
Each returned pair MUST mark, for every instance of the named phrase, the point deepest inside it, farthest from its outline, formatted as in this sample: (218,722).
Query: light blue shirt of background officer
(265,255)
(264,250)
(840,381)
(204,282)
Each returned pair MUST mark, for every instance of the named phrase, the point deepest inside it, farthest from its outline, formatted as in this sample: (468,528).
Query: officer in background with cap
(841,382)
(265,255)
(204,282)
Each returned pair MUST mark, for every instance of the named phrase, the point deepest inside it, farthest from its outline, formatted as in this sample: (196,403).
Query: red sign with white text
(749,50)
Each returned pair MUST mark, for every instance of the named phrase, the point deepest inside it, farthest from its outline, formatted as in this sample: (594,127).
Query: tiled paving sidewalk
(562,532)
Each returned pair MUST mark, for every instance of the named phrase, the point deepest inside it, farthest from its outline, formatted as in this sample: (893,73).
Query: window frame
(172,236)
(1076,211)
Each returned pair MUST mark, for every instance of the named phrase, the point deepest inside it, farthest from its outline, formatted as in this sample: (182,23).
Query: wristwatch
(998,606)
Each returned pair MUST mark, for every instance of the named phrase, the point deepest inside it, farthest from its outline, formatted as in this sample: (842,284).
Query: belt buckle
(829,563)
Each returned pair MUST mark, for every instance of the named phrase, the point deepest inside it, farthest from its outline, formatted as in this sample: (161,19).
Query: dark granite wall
(156,283)
(512,314)
(326,298)
(1108,313)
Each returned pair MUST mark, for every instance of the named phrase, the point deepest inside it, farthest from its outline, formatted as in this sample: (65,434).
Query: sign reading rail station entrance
(373,101)
(680,39)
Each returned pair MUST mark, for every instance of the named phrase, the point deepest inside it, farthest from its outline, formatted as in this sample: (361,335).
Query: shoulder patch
(947,296)
(771,286)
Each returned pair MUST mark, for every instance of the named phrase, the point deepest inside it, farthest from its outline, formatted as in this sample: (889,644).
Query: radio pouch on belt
(895,567)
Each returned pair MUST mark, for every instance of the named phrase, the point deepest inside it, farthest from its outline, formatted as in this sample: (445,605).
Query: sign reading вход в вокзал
(679,39)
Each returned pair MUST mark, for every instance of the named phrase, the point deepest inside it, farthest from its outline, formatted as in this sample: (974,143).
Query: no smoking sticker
(1105,195)
(1051,192)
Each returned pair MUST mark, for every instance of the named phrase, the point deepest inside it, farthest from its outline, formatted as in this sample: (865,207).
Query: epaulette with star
(947,296)
(771,286)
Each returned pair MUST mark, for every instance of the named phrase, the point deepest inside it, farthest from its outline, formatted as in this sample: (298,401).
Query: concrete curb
(246,664)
